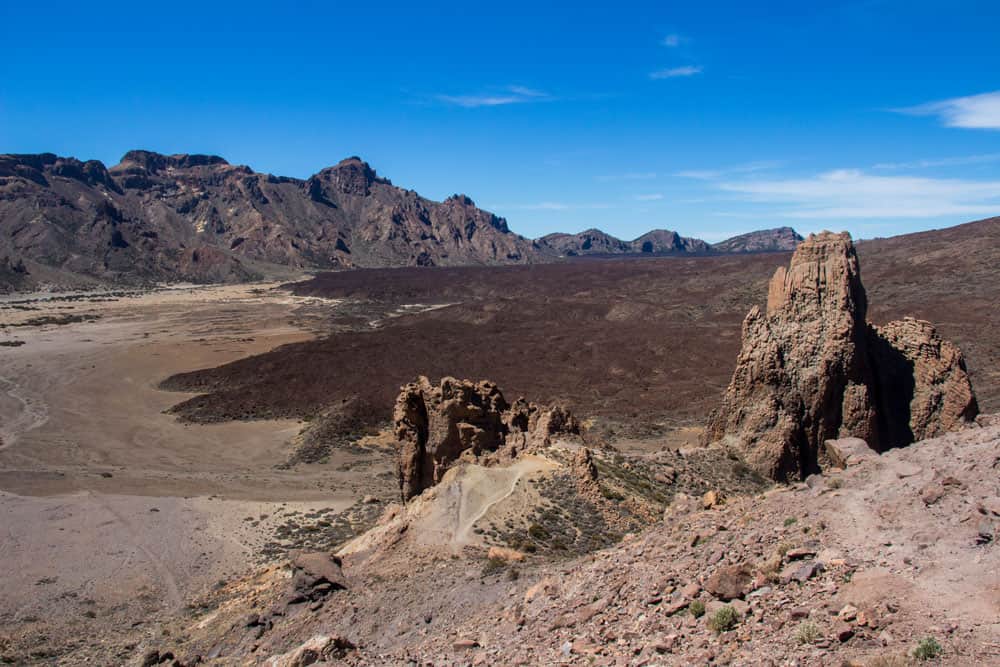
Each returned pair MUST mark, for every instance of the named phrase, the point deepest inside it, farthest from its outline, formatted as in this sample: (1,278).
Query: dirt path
(33,414)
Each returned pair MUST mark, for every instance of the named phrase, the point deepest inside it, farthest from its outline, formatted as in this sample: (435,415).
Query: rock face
(197,217)
(811,369)
(437,424)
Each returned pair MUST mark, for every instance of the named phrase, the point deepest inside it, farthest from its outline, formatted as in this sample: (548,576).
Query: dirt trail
(33,413)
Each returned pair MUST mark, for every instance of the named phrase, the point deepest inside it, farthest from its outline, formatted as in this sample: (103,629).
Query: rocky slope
(891,561)
(153,217)
(196,217)
(812,368)
(765,240)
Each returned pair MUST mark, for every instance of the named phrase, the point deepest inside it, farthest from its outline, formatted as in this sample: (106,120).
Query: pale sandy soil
(109,507)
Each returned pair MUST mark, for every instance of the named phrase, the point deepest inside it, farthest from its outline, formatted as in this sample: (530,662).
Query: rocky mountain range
(156,217)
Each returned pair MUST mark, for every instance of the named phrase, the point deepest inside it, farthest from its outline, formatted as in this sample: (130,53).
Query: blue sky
(710,118)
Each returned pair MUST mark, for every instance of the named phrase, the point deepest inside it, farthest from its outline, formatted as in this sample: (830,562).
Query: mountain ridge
(196,217)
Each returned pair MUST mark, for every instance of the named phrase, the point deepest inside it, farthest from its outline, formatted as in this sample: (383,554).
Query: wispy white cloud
(649,197)
(673,40)
(507,95)
(975,111)
(941,162)
(852,194)
(722,172)
(675,72)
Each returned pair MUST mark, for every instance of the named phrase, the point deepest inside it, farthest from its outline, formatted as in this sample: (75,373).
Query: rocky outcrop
(812,369)
(913,362)
(437,424)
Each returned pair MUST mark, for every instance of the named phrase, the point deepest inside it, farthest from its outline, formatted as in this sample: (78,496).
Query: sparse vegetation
(790,521)
(494,566)
(697,608)
(807,633)
(723,620)
(890,660)
(927,649)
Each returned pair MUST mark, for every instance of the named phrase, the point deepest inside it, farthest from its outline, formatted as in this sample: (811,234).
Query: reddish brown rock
(812,369)
(730,583)
(436,424)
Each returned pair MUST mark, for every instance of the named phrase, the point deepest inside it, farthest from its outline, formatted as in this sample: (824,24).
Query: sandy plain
(109,506)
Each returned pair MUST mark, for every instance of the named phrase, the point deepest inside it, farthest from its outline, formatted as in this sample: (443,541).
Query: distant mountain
(764,240)
(156,217)
(596,242)
(196,217)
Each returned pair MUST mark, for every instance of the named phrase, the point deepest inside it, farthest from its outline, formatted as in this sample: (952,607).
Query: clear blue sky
(710,118)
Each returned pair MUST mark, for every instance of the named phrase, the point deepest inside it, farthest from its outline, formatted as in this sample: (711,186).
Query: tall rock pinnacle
(811,368)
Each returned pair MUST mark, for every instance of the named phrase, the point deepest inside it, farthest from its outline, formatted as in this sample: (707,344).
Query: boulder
(319,649)
(730,583)
(314,576)
(812,369)
(844,452)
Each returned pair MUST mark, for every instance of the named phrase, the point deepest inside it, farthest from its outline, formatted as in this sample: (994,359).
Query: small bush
(790,521)
(890,660)
(927,649)
(494,566)
(724,619)
(538,532)
(697,608)
(806,633)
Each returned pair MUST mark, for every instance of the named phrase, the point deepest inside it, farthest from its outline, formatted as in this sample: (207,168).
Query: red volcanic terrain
(640,345)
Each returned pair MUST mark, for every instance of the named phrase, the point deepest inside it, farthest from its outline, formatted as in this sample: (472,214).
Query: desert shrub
(724,619)
(538,532)
(494,566)
(697,608)
(807,633)
(927,649)
(889,660)
(790,521)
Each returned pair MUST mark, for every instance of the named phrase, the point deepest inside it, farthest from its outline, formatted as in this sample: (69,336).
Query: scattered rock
(932,493)
(844,452)
(801,572)
(712,499)
(320,648)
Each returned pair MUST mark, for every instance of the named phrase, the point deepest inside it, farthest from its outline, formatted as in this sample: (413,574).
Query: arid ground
(158,444)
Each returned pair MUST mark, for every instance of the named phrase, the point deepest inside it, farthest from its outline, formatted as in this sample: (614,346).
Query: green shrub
(697,608)
(927,649)
(724,619)
(538,532)
(790,521)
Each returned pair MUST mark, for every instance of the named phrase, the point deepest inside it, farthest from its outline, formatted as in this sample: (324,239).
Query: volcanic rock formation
(811,368)
(437,424)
